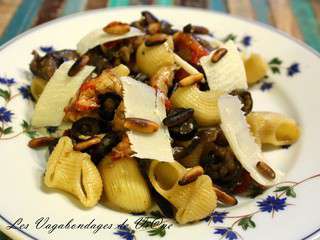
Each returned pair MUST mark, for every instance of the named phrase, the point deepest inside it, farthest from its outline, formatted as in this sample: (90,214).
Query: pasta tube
(273,128)
(204,104)
(124,186)
(193,201)
(73,172)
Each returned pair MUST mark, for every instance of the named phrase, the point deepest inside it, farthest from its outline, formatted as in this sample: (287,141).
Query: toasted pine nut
(218,54)
(265,170)
(141,125)
(117,28)
(191,175)
(78,65)
(86,144)
(155,39)
(194,78)
(224,197)
(40,142)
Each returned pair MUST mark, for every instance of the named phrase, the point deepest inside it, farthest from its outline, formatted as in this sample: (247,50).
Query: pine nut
(155,39)
(86,144)
(40,142)
(78,65)
(191,175)
(194,78)
(224,197)
(117,28)
(141,125)
(265,170)
(218,54)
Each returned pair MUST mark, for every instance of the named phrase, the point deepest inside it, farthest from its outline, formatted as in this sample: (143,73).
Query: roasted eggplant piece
(178,116)
(109,103)
(86,126)
(245,98)
(44,67)
(109,141)
(98,60)
(185,131)
(222,166)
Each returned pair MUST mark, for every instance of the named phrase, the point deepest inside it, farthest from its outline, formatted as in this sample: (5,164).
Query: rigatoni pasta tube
(193,201)
(273,128)
(73,172)
(204,104)
(124,186)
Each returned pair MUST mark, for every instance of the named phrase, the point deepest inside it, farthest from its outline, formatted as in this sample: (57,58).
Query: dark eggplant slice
(44,67)
(86,126)
(178,116)
(109,103)
(185,131)
(109,141)
(98,60)
(245,98)
(221,165)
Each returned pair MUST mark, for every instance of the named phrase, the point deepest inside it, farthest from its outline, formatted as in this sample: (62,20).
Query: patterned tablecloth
(299,18)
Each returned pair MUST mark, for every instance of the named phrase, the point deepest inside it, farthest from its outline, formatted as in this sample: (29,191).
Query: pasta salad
(148,115)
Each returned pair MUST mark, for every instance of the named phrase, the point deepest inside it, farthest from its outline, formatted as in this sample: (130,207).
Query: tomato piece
(189,48)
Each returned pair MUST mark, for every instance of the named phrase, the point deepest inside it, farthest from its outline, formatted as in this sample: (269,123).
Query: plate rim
(13,234)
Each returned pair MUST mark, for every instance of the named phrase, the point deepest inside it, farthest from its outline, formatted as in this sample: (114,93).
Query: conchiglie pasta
(74,173)
(37,86)
(124,186)
(193,201)
(273,128)
(151,59)
(256,68)
(204,103)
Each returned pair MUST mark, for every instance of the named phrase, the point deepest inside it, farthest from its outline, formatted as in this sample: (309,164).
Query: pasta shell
(256,68)
(193,201)
(151,59)
(204,103)
(124,186)
(273,128)
(73,172)
(37,86)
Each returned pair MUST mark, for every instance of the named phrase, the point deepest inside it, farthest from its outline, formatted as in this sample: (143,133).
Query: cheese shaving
(242,143)
(49,110)
(142,101)
(228,73)
(98,37)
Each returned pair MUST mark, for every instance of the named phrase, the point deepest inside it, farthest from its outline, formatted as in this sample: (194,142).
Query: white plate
(22,193)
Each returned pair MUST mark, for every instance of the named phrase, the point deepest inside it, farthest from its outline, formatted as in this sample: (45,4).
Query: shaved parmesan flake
(49,110)
(242,143)
(185,65)
(228,73)
(98,37)
(142,101)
